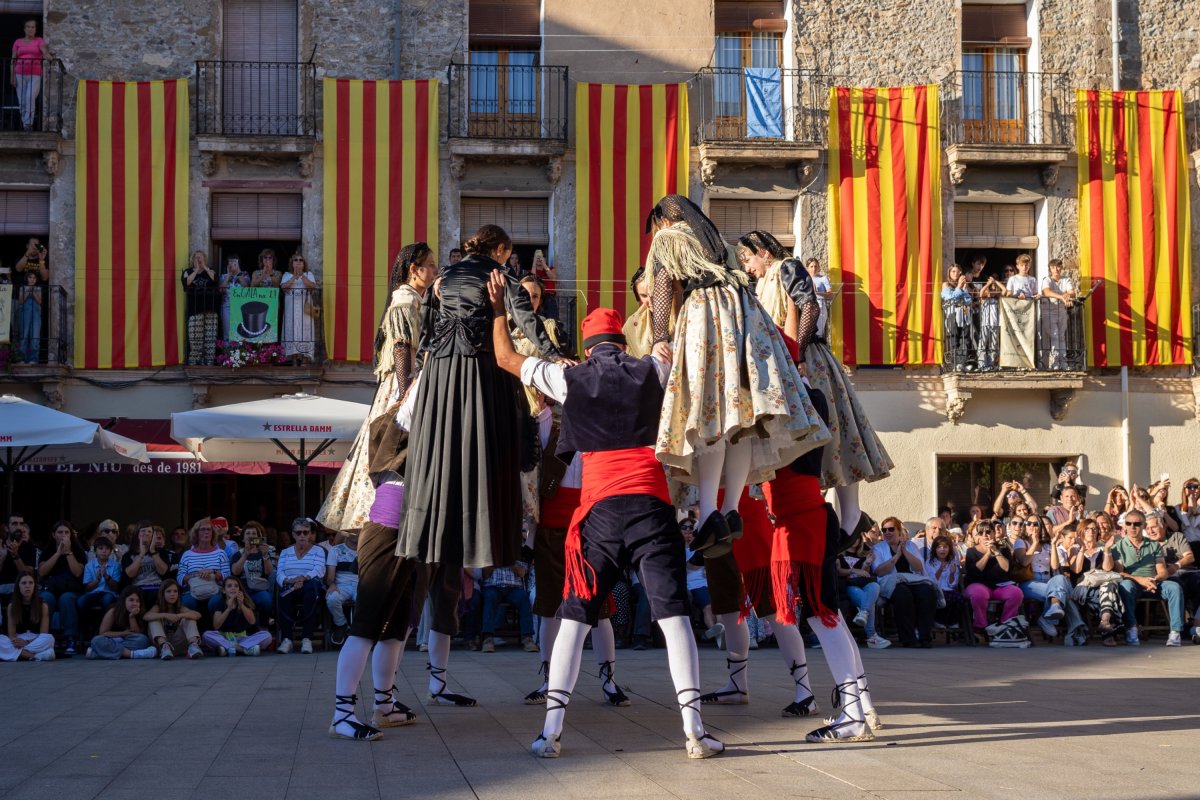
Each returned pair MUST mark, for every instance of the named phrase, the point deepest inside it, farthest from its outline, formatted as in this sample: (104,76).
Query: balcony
(760,117)
(992,117)
(510,109)
(39,330)
(1011,343)
(274,329)
(31,94)
(256,106)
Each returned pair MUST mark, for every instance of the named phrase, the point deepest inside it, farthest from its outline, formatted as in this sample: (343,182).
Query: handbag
(1019,572)
(1095,578)
(202,588)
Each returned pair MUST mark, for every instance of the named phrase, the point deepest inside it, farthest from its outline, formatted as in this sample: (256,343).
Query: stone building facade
(926,417)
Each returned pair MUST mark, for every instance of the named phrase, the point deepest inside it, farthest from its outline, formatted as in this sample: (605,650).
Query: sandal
(739,697)
(360,732)
(844,731)
(399,714)
(616,698)
(443,698)
(801,708)
(538,696)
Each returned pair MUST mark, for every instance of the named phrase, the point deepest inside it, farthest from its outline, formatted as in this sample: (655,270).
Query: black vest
(613,402)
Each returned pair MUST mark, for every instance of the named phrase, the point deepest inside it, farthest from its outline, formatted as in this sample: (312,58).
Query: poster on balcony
(1134,228)
(253,314)
(883,200)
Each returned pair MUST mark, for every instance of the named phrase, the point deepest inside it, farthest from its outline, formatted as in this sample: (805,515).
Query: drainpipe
(1126,449)
(397,6)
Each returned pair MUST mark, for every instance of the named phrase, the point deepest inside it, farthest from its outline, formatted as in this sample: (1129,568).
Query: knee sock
(709,466)
(604,645)
(791,646)
(439,660)
(737,653)
(737,472)
(685,671)
(839,651)
(385,660)
(564,671)
(548,632)
(352,660)
(847,497)
(864,690)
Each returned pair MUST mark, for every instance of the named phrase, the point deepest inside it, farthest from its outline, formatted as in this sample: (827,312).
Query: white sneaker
(166,652)
(1055,611)
(860,619)
(1048,627)
(45,655)
(253,650)
(306,646)
(1131,638)
(194,651)
(877,642)
(284,647)
(1174,639)
(145,652)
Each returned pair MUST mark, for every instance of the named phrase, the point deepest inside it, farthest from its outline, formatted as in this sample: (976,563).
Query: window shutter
(525,219)
(735,218)
(1000,225)
(731,16)
(257,216)
(260,30)
(28,8)
(504,24)
(992,24)
(24,213)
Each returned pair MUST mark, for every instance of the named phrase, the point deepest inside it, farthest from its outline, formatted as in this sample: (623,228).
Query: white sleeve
(663,368)
(404,415)
(546,377)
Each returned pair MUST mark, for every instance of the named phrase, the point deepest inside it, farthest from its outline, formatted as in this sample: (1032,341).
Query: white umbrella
(294,428)
(32,433)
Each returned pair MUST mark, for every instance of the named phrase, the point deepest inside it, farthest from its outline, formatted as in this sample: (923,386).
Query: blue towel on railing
(764,103)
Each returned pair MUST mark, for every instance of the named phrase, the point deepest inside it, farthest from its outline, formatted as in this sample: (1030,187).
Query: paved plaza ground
(960,722)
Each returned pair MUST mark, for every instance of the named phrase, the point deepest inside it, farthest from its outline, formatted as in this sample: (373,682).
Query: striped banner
(381,193)
(885,224)
(631,149)
(1134,227)
(131,223)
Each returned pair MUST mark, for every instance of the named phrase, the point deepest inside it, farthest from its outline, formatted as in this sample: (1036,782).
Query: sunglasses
(889,529)
(108,530)
(300,532)
(1191,487)
(1133,523)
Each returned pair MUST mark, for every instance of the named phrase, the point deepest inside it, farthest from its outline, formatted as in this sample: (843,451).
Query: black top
(613,402)
(8,568)
(235,622)
(202,295)
(992,575)
(25,622)
(61,567)
(459,322)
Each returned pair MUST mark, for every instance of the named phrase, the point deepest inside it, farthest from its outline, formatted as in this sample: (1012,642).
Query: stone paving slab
(1047,722)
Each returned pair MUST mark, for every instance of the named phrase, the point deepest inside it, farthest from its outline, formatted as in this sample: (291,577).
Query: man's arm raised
(507,358)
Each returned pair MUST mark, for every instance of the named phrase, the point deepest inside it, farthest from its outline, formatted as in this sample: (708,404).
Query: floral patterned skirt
(349,500)
(855,453)
(732,377)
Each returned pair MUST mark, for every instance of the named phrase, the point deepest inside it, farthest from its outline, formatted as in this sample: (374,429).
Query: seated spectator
(1178,560)
(255,566)
(946,569)
(1181,568)
(101,578)
(1011,493)
(913,601)
(147,563)
(506,585)
(697,582)
(123,631)
(1158,495)
(235,624)
(1117,501)
(109,529)
(300,576)
(60,570)
(1143,571)
(1096,586)
(202,567)
(222,540)
(854,570)
(986,578)
(172,624)
(1068,476)
(1047,586)
(934,527)
(28,619)
(18,556)
(1067,513)
(1105,526)
(1188,510)
(341,582)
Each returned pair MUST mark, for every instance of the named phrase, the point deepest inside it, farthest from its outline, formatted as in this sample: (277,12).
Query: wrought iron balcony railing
(1011,334)
(991,107)
(508,101)
(39,324)
(31,91)
(763,105)
(283,327)
(256,98)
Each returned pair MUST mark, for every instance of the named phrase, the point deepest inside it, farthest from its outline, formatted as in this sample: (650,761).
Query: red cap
(602,325)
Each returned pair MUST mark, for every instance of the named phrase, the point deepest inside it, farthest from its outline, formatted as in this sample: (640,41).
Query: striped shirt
(193,561)
(312,565)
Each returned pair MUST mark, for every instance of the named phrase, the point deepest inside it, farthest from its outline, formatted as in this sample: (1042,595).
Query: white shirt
(883,553)
(1022,284)
(549,379)
(573,477)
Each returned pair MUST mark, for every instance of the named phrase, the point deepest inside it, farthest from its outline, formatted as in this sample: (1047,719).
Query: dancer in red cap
(611,404)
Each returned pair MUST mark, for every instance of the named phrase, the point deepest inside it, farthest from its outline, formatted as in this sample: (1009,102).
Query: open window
(996,44)
(748,34)
(504,91)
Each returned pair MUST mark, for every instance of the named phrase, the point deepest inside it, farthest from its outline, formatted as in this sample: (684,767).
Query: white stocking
(352,660)
(685,671)
(791,647)
(864,691)
(847,497)
(604,645)
(737,472)
(709,465)
(548,631)
(385,660)
(737,653)
(564,671)
(840,650)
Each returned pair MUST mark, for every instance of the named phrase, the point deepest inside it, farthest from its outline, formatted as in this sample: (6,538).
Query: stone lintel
(760,151)
(31,142)
(262,146)
(1008,154)
(1061,386)
(486,149)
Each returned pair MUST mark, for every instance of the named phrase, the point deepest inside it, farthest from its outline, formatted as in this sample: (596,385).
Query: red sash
(753,551)
(608,473)
(798,547)
(558,510)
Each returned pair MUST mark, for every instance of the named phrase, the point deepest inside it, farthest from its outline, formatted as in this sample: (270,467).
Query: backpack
(1011,633)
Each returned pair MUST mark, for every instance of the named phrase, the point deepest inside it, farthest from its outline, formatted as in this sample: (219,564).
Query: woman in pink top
(27,56)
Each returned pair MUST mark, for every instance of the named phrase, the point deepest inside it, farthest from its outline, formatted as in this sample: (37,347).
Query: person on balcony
(1022,285)
(30,300)
(957,310)
(549,278)
(266,276)
(301,309)
(1058,295)
(234,278)
(28,54)
(200,287)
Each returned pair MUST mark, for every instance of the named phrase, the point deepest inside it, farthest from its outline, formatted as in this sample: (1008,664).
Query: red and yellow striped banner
(381,193)
(131,223)
(885,224)
(1134,227)
(631,149)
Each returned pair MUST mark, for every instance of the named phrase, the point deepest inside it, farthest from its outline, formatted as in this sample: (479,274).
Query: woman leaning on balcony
(28,54)
(200,287)
(301,309)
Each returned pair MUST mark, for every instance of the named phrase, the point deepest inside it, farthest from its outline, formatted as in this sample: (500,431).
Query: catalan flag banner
(885,224)
(1134,227)
(381,193)
(131,223)
(631,149)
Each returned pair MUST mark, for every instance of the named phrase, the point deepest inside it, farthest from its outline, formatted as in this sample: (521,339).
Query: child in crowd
(172,624)
(235,630)
(123,631)
(946,568)
(28,636)
(697,583)
(101,577)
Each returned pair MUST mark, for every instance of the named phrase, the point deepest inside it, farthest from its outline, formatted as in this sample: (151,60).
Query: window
(260,75)
(736,218)
(525,219)
(995,54)
(24,214)
(963,480)
(748,34)
(503,80)
(246,217)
